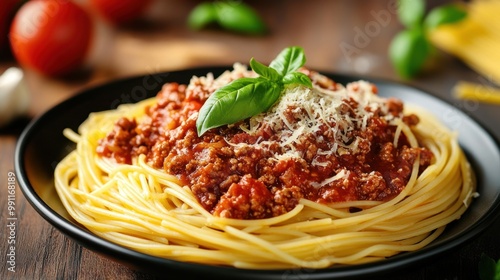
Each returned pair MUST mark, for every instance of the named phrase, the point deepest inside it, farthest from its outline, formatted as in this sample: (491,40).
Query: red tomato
(120,11)
(7,10)
(50,36)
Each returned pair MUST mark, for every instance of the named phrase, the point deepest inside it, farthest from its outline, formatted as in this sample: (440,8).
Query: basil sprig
(410,49)
(234,16)
(247,97)
(489,269)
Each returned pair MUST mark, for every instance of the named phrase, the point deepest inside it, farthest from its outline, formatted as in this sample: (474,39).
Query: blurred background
(51,50)
(350,37)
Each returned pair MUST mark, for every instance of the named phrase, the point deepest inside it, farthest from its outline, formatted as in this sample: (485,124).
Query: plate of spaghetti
(260,172)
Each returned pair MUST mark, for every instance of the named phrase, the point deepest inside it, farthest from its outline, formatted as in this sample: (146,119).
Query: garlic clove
(14,95)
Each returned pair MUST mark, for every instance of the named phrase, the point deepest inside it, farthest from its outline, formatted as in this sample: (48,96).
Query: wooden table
(338,36)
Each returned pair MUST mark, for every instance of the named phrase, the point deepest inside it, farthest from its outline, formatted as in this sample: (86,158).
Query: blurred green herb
(444,15)
(410,49)
(234,16)
(488,268)
(247,97)
(408,52)
(202,15)
(411,12)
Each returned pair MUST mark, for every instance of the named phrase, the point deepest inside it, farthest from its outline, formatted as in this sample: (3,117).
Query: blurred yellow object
(479,92)
(476,41)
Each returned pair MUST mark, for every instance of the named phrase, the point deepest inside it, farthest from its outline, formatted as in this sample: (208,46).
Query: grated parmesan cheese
(343,174)
(303,112)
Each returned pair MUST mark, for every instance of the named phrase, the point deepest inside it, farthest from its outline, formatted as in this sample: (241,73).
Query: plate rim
(86,238)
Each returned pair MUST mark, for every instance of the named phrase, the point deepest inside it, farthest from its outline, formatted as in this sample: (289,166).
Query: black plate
(42,146)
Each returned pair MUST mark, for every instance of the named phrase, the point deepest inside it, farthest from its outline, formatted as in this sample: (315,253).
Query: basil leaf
(411,12)
(408,52)
(247,97)
(264,71)
(487,268)
(289,60)
(444,15)
(239,17)
(202,15)
(241,99)
(497,271)
(297,78)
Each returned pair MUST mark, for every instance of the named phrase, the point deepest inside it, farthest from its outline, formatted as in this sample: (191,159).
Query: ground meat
(234,175)
(119,143)
(247,199)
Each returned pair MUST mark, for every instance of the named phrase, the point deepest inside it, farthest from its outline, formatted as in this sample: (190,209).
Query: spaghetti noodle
(144,208)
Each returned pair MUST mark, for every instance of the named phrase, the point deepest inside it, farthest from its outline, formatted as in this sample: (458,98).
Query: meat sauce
(233,177)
